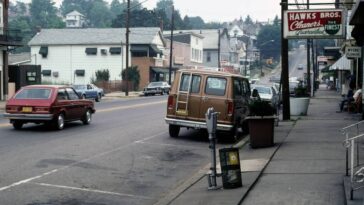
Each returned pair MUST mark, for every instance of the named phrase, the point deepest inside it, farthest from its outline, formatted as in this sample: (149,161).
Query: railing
(354,135)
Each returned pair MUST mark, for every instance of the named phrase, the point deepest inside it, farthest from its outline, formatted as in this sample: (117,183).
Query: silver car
(156,88)
(267,93)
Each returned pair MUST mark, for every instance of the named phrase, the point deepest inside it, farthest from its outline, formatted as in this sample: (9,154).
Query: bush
(301,91)
(102,75)
(133,77)
(261,108)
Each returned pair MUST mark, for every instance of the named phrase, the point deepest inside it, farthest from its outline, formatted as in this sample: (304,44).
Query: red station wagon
(50,104)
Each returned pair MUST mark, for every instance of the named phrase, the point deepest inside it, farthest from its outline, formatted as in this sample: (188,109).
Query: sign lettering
(313,24)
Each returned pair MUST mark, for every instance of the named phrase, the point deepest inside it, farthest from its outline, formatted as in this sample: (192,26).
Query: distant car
(50,104)
(156,88)
(267,93)
(86,91)
(300,67)
(100,91)
(275,79)
(292,86)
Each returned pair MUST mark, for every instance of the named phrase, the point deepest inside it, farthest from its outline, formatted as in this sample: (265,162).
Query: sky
(221,11)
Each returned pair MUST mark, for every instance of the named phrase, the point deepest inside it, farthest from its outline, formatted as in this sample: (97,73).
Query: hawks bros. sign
(314,24)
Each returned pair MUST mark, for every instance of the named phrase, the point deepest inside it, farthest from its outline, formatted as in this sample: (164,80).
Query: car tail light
(41,109)
(170,102)
(10,108)
(230,108)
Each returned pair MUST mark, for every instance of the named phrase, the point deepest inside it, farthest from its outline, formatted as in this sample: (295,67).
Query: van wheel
(174,130)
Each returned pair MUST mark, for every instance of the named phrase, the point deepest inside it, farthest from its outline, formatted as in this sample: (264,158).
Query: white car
(267,93)
(156,88)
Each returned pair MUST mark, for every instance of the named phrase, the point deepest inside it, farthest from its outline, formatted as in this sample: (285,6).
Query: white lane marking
(73,164)
(91,190)
(27,180)
(130,106)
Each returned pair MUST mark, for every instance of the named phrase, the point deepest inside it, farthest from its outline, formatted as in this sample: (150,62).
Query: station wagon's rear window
(34,93)
(215,86)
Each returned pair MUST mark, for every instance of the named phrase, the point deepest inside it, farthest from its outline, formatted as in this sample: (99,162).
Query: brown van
(195,90)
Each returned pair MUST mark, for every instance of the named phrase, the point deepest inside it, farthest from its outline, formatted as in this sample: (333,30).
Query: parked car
(195,90)
(276,86)
(267,93)
(49,104)
(100,91)
(86,91)
(156,88)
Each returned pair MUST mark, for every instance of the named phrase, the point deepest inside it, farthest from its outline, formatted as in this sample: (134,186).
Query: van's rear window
(215,86)
(34,93)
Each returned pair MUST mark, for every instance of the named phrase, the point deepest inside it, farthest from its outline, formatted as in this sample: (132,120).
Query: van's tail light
(230,108)
(170,102)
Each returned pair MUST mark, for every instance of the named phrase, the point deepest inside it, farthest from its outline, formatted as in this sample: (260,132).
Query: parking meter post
(211,123)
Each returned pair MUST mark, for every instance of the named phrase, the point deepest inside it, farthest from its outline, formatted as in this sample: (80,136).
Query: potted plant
(261,123)
(300,101)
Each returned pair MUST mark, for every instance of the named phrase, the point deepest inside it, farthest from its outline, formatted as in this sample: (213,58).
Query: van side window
(215,86)
(246,88)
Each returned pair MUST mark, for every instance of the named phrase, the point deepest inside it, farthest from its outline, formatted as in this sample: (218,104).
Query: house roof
(20,58)
(74,13)
(94,36)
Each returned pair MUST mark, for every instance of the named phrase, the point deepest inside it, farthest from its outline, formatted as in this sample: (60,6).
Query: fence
(354,143)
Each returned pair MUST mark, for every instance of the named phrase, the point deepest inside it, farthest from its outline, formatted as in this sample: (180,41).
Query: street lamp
(260,55)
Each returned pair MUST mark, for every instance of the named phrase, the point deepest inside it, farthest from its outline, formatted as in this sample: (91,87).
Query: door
(193,87)
(215,95)
(75,106)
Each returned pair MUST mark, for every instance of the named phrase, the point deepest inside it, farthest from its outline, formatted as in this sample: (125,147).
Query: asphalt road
(124,157)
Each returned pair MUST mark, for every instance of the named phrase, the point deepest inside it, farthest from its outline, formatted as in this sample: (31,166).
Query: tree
(269,41)
(133,76)
(166,6)
(248,20)
(116,8)
(138,18)
(44,14)
(102,75)
(99,15)
(195,22)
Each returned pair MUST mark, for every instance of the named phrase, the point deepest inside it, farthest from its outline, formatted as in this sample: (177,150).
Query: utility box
(230,168)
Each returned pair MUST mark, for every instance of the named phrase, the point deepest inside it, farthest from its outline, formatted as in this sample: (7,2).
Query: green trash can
(230,168)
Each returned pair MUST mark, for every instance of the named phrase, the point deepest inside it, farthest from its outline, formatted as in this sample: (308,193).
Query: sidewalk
(306,165)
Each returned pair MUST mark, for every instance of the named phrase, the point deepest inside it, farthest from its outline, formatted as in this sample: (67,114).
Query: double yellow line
(114,109)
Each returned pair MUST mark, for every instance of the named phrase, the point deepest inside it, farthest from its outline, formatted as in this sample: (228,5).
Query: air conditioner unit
(103,52)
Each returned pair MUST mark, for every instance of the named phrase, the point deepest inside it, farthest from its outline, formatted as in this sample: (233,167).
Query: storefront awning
(342,64)
(160,70)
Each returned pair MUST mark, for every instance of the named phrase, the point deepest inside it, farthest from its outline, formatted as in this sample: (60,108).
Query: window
(34,93)
(80,72)
(208,57)
(195,86)
(215,86)
(241,87)
(46,72)
(185,80)
(72,95)
(91,51)
(62,95)
(43,51)
(31,76)
(115,50)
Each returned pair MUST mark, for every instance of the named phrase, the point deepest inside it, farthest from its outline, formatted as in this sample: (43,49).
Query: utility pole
(308,58)
(284,74)
(171,49)
(218,49)
(5,52)
(127,25)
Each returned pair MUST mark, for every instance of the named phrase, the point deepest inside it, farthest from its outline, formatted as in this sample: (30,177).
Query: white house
(72,56)
(75,19)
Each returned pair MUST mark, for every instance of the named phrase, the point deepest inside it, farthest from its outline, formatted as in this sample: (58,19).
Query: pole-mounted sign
(353,52)
(327,23)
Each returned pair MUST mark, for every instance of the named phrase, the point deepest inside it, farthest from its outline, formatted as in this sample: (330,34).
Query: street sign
(325,23)
(353,52)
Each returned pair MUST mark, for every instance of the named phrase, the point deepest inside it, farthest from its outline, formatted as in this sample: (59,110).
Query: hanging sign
(326,23)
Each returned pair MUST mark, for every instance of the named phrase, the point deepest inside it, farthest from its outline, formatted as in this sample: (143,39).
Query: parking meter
(211,120)
(211,124)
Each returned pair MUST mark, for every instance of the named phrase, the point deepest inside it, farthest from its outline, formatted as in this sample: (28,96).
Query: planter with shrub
(300,101)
